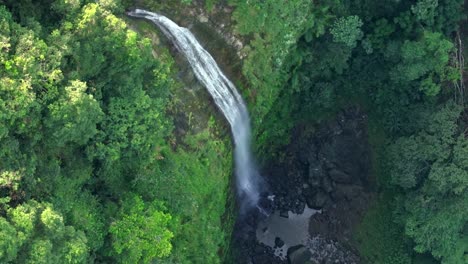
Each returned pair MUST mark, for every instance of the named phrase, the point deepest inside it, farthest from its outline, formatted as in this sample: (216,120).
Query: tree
(67,7)
(73,118)
(426,58)
(9,242)
(81,96)
(40,236)
(425,11)
(432,167)
(347,30)
(141,233)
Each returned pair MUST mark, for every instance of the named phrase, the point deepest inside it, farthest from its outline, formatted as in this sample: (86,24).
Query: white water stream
(225,96)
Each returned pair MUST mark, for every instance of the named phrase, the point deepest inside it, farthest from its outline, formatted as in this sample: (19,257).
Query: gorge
(280,216)
(257,132)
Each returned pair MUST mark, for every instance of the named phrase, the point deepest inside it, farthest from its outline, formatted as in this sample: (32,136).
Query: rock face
(219,19)
(338,157)
(327,169)
(318,200)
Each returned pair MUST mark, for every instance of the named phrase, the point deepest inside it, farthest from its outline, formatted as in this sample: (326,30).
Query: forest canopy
(90,170)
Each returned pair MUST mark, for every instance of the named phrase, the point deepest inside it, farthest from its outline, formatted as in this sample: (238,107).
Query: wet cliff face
(324,170)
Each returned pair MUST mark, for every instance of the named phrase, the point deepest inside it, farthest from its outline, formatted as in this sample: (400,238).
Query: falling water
(225,96)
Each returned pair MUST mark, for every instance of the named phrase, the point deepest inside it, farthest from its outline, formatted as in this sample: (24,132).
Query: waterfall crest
(225,96)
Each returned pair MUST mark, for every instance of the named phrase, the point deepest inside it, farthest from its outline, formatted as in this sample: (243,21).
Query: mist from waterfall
(225,96)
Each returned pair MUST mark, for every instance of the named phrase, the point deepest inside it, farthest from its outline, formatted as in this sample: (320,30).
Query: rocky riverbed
(318,193)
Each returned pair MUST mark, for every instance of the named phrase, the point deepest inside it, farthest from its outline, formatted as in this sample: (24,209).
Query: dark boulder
(298,207)
(315,173)
(259,249)
(340,176)
(306,150)
(278,242)
(318,200)
(327,185)
(284,213)
(346,192)
(299,255)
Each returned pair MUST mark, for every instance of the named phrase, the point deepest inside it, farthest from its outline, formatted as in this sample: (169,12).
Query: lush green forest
(401,61)
(93,170)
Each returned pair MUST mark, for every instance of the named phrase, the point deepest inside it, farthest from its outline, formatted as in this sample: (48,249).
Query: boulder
(340,176)
(315,173)
(299,255)
(347,192)
(298,207)
(318,200)
(327,184)
(320,225)
(284,213)
(329,154)
(336,128)
(278,242)
(202,18)
(305,151)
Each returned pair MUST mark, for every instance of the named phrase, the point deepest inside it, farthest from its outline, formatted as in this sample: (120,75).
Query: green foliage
(83,100)
(9,243)
(449,14)
(426,58)
(393,59)
(435,176)
(274,28)
(425,11)
(347,30)
(209,4)
(379,238)
(140,234)
(38,235)
(194,187)
(66,7)
(434,143)
(76,116)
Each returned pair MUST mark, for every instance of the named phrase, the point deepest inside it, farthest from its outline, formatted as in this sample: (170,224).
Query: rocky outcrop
(218,19)
(324,167)
(327,170)
(337,162)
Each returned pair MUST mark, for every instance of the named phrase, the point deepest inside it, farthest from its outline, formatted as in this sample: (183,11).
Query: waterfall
(225,97)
